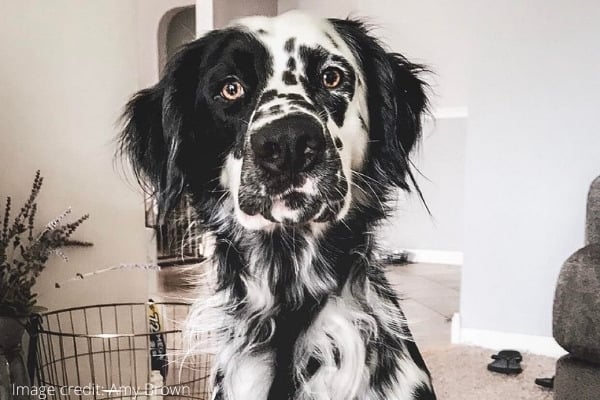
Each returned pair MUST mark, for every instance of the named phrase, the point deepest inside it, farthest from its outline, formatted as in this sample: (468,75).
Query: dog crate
(121,351)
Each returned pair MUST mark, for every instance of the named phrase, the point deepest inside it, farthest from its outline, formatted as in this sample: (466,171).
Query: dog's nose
(290,144)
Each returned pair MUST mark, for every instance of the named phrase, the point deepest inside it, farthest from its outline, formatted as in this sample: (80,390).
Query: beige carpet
(459,373)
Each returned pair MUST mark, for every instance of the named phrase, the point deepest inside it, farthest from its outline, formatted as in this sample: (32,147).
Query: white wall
(533,148)
(440,174)
(226,10)
(67,69)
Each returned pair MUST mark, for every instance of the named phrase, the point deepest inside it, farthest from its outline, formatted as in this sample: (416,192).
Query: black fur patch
(291,96)
(334,101)
(258,114)
(303,104)
(423,393)
(268,96)
(334,44)
(363,124)
(338,143)
(291,64)
(290,45)
(289,78)
(295,200)
(290,326)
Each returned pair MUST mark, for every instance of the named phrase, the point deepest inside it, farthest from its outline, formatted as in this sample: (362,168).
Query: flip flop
(545,382)
(506,362)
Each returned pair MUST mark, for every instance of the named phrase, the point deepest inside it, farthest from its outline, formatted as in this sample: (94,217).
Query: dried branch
(23,254)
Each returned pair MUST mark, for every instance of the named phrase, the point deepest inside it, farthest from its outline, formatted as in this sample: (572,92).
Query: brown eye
(332,77)
(232,90)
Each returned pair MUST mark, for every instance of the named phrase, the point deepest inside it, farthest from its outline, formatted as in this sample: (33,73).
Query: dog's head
(293,120)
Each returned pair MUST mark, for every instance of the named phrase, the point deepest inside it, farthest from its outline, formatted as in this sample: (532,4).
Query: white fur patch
(309,187)
(230,179)
(281,212)
(245,376)
(337,340)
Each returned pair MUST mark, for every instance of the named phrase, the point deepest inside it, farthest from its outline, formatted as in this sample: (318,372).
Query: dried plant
(24,251)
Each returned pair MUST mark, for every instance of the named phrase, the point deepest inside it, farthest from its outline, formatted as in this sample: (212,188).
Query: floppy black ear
(396,99)
(157,121)
(144,143)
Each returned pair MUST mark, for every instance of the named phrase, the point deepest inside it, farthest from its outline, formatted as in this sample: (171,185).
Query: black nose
(290,144)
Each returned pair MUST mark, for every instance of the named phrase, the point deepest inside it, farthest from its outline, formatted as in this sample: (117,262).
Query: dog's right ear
(156,123)
(149,150)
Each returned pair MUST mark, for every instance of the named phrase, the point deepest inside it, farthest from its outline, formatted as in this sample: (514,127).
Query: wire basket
(104,351)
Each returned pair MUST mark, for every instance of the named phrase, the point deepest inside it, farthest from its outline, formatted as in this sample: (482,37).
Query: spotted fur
(301,310)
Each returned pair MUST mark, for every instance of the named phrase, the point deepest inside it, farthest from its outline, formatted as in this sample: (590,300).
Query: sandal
(506,362)
(545,382)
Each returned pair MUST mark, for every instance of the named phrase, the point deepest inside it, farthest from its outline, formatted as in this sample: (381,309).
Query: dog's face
(306,122)
(282,116)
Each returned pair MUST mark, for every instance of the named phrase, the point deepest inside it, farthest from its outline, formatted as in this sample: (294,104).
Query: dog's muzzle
(291,172)
(289,146)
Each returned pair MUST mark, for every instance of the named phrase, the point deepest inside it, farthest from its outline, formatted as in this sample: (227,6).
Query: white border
(541,345)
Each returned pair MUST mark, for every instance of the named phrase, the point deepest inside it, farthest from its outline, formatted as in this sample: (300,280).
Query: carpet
(460,373)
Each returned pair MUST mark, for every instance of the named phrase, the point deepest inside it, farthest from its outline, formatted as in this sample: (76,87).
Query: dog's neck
(289,265)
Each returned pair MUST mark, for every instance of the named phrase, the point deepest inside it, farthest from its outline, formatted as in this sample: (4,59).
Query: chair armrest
(576,314)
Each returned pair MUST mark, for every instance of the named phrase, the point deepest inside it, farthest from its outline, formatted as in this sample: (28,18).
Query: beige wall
(67,69)
(226,10)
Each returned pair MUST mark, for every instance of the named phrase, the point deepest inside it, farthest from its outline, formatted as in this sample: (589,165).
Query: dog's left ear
(396,99)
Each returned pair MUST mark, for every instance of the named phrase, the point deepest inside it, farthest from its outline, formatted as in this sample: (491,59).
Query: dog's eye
(232,90)
(332,77)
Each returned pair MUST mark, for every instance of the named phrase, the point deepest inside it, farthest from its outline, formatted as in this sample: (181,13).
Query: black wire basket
(110,351)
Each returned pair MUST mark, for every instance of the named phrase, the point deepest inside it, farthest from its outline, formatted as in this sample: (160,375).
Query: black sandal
(547,383)
(506,362)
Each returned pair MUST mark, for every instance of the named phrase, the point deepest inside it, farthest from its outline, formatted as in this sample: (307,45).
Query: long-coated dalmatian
(290,134)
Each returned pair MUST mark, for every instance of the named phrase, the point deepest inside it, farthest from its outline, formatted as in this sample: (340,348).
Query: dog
(289,135)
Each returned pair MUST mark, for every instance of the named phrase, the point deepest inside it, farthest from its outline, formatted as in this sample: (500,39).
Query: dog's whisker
(381,205)
(363,176)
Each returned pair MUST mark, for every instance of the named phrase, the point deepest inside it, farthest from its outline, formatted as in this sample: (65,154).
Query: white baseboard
(495,340)
(435,256)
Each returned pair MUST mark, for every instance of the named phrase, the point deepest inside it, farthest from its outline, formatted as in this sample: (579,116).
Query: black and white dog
(289,134)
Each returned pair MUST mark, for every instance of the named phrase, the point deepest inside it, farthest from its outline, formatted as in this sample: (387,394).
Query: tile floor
(430,296)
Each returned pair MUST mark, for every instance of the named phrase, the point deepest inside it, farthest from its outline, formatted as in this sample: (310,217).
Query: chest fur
(317,329)
(334,357)
(320,356)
